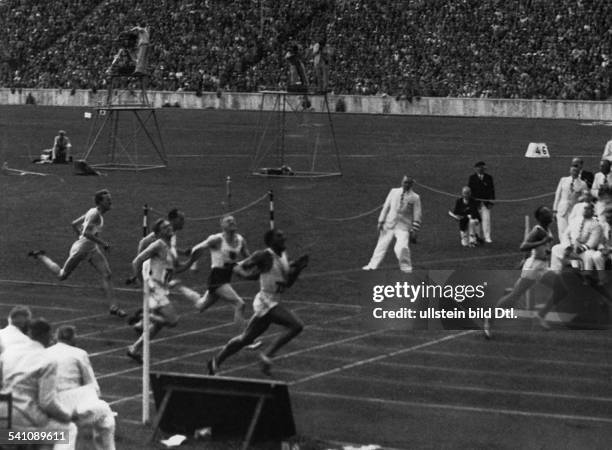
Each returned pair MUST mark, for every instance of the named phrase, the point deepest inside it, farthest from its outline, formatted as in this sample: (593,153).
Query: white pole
(528,298)
(146,360)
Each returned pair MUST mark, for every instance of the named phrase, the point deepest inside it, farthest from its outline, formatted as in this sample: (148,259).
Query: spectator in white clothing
(602,188)
(580,236)
(16,332)
(31,377)
(78,389)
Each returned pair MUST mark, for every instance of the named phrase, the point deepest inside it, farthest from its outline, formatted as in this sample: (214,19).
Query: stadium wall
(425,106)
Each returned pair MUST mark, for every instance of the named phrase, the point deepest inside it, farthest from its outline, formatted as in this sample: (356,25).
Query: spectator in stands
(78,389)
(31,377)
(527,51)
(16,332)
(61,152)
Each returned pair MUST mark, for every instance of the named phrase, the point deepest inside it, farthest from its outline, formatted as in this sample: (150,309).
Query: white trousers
(485,222)
(562,223)
(597,259)
(92,413)
(470,236)
(401,248)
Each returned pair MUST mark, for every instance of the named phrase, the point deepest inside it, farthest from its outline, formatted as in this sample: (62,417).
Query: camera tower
(125,133)
(295,137)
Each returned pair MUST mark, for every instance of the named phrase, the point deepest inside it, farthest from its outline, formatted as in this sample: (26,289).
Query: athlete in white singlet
(88,248)
(276,274)
(226,250)
(536,268)
(177,220)
(162,260)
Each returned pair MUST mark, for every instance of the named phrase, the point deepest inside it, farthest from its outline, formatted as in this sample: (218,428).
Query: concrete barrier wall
(426,106)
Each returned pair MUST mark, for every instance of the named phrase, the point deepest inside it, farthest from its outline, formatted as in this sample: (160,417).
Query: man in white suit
(566,196)
(400,218)
(78,389)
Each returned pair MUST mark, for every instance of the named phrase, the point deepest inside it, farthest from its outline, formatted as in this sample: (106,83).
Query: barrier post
(146,354)
(228,193)
(271,201)
(528,297)
(145,220)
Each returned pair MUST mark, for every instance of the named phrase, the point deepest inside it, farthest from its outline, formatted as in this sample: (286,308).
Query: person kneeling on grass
(466,213)
(276,274)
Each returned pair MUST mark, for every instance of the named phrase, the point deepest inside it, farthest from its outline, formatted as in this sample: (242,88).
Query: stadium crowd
(471,48)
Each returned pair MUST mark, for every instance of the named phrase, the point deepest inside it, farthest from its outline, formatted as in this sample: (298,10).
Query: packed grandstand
(548,49)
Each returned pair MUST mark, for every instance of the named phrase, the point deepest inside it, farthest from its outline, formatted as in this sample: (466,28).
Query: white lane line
(501,411)
(190,354)
(475,389)
(381,357)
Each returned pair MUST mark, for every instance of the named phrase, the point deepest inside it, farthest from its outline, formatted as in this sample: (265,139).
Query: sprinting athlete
(162,260)
(88,247)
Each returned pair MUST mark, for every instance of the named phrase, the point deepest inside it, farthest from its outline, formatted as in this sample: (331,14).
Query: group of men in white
(583,210)
(53,385)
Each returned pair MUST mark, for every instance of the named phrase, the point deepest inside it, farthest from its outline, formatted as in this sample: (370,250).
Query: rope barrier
(270,196)
(201,219)
(332,219)
(516,200)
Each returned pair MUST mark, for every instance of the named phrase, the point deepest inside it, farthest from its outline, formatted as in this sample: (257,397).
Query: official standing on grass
(483,191)
(400,218)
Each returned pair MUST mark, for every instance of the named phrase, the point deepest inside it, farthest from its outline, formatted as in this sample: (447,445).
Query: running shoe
(265,364)
(114,310)
(134,356)
(211,365)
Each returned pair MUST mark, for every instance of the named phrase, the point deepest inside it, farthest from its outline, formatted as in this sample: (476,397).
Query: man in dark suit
(584,175)
(483,191)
